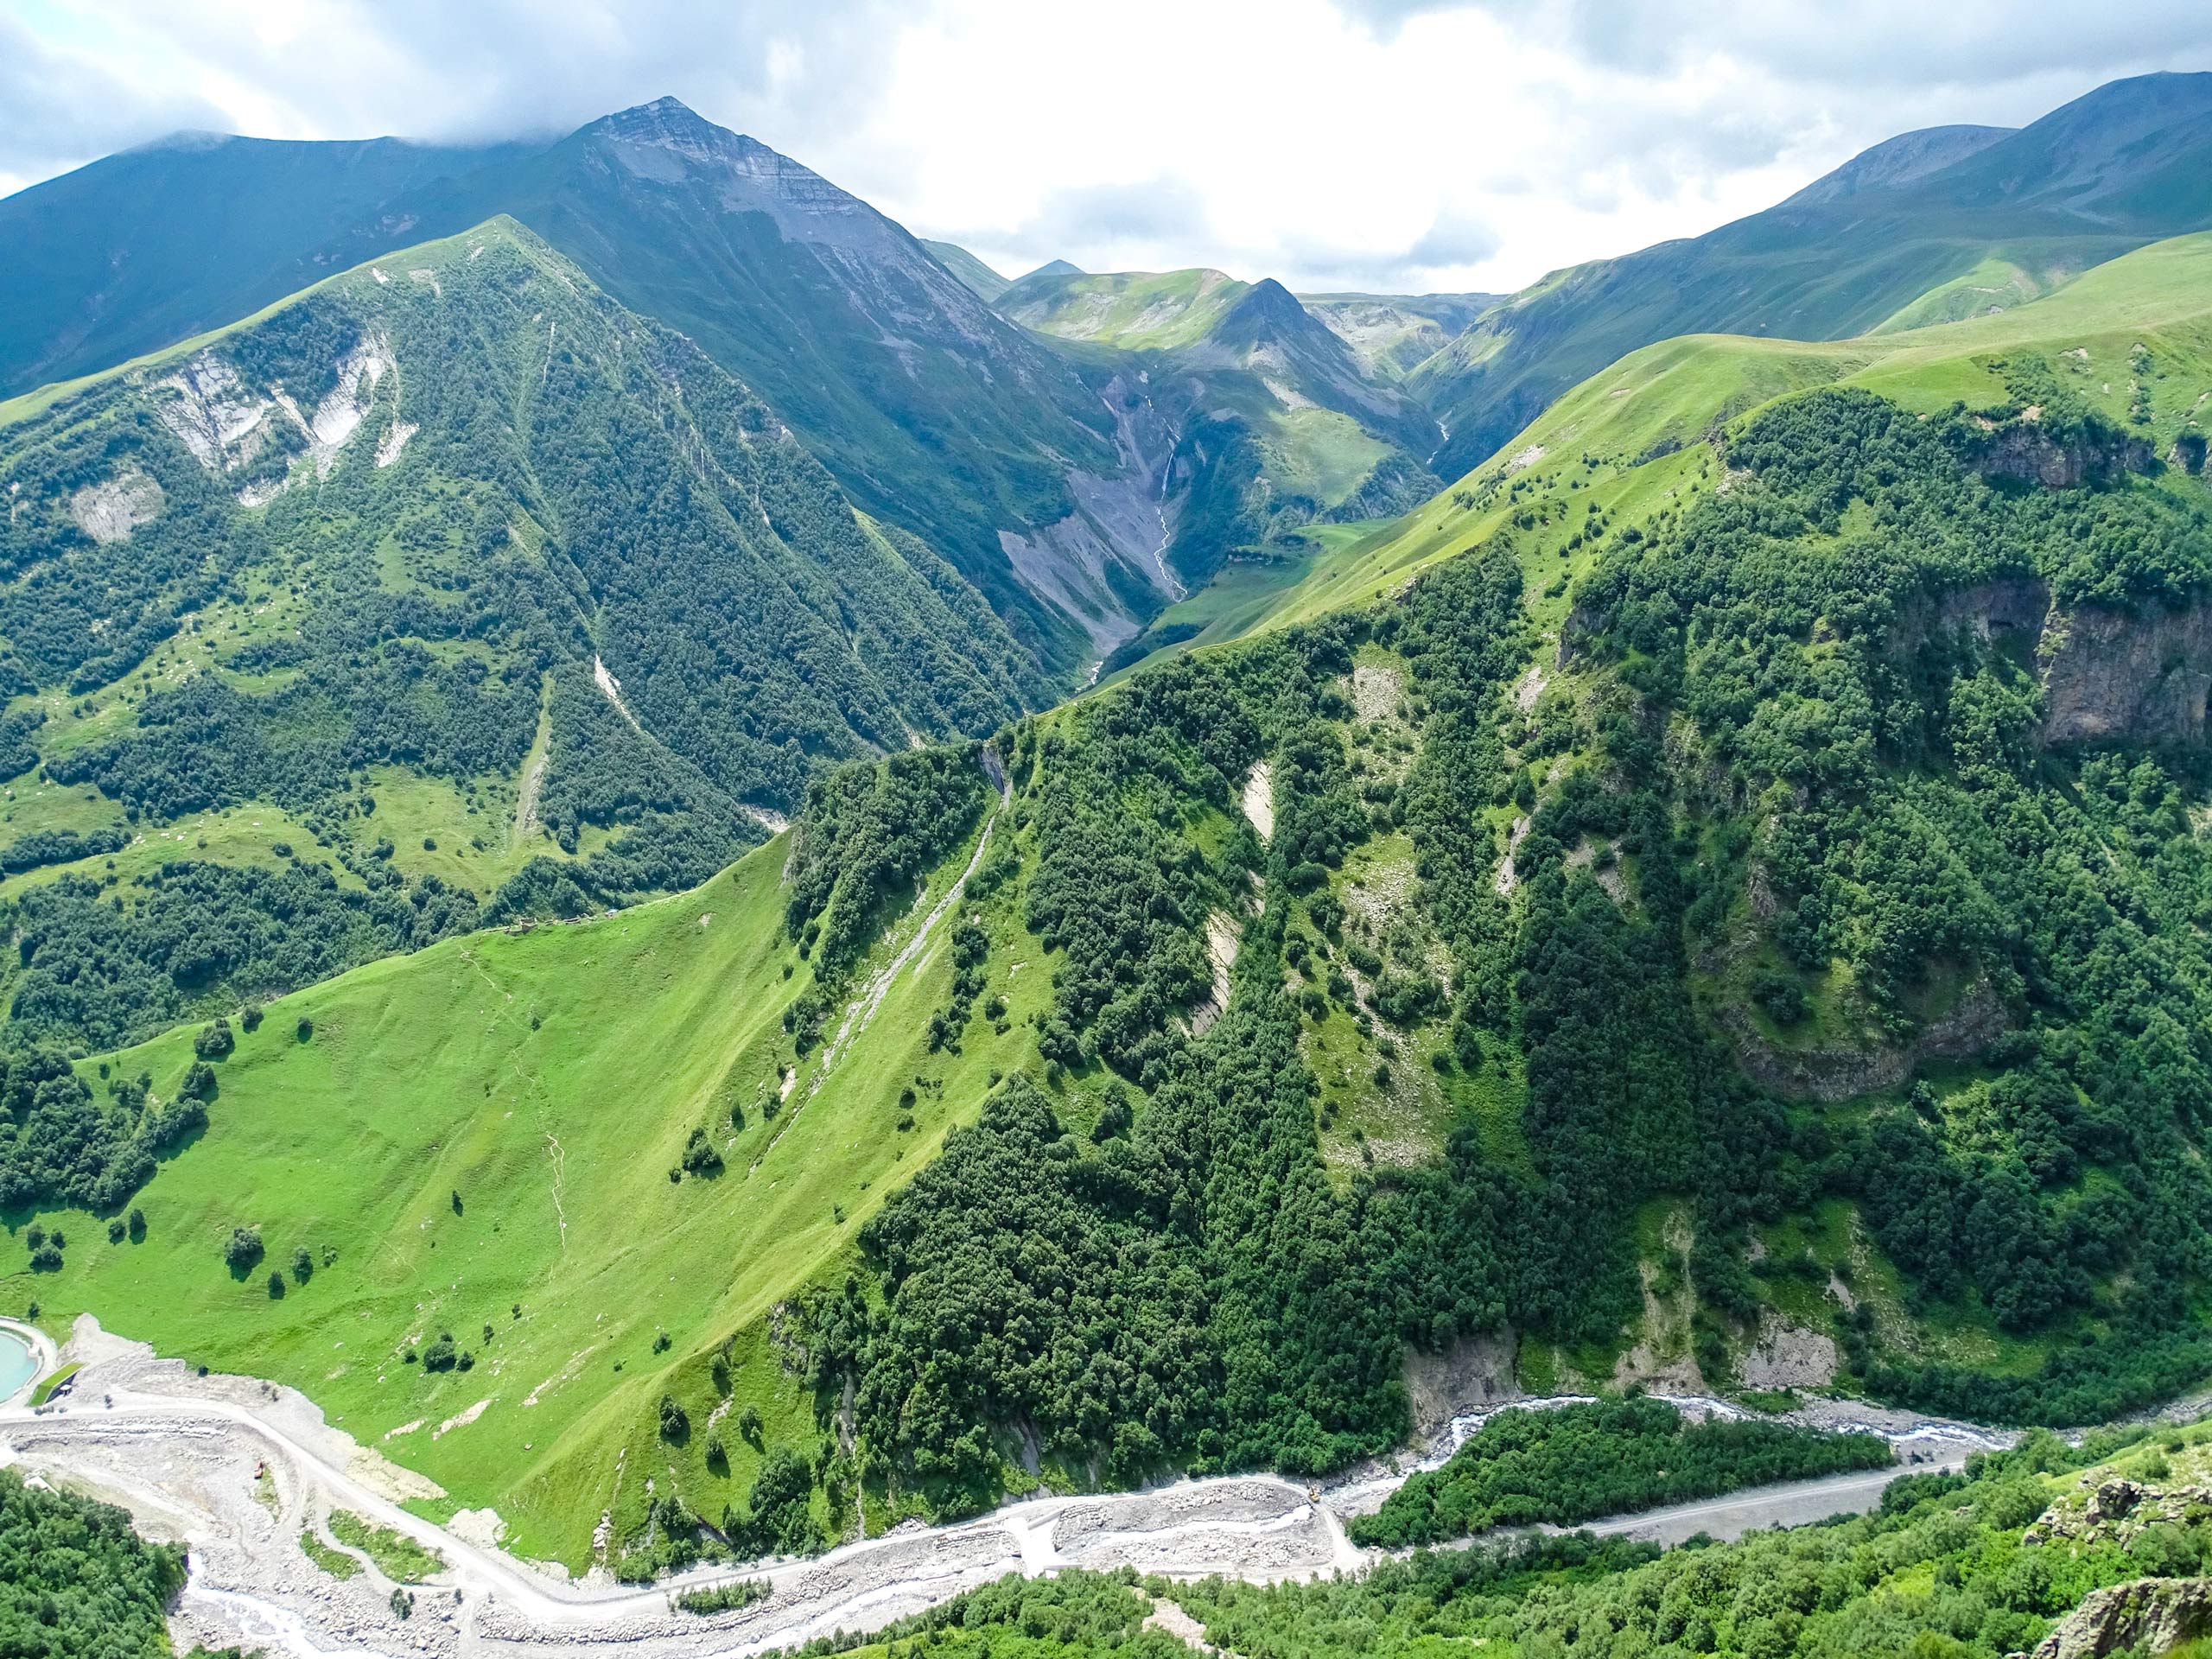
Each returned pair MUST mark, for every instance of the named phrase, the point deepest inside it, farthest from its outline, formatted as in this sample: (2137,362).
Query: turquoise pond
(16,1366)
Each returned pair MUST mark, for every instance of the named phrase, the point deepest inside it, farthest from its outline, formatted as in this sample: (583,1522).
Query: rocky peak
(667,142)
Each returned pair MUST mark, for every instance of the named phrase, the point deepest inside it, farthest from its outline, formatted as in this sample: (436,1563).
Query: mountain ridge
(1834,259)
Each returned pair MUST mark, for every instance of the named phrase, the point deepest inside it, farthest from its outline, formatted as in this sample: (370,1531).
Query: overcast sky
(1371,144)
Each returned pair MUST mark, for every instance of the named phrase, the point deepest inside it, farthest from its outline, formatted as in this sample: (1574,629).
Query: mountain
(145,248)
(1712,901)
(1393,334)
(447,591)
(1274,421)
(1926,227)
(936,414)
(1053,268)
(980,280)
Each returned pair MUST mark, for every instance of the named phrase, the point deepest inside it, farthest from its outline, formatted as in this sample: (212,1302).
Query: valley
(708,903)
(252,1583)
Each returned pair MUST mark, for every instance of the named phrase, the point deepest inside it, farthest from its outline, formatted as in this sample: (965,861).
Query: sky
(1396,145)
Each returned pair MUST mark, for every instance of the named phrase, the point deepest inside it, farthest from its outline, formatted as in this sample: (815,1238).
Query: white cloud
(1369,142)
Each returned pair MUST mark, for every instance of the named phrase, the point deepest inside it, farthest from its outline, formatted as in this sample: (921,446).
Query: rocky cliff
(2148,1616)
(2108,674)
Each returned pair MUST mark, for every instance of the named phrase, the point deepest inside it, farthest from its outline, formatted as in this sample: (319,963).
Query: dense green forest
(1762,797)
(76,1582)
(1578,1463)
(1072,1615)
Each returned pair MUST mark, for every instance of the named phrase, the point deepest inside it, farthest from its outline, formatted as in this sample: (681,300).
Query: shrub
(214,1040)
(303,1265)
(243,1249)
(700,1156)
(674,1423)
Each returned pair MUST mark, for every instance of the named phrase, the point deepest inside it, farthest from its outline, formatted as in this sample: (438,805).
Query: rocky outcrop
(2149,1615)
(2143,676)
(110,511)
(2115,1510)
(1474,1373)
(1978,1021)
(2108,674)
(2030,452)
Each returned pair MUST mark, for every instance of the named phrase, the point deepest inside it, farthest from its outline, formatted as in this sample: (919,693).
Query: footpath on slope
(189,1455)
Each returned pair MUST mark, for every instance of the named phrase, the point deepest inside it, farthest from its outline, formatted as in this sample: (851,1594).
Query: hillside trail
(182,1453)
(861,1012)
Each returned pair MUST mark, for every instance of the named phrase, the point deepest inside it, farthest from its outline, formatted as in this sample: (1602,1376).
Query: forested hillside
(1714,899)
(447,592)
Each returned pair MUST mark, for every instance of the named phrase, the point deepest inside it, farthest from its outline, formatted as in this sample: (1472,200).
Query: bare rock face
(2026,451)
(109,511)
(2109,675)
(1474,1373)
(2149,1615)
(1977,1021)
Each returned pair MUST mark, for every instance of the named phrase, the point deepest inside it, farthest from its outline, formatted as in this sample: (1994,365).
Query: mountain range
(1933,225)
(540,781)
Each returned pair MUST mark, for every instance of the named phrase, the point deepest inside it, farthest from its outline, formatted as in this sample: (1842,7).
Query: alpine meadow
(732,934)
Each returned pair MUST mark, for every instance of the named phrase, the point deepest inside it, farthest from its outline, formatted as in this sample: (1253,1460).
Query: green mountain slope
(1765,957)
(1139,310)
(934,414)
(448,584)
(980,279)
(1655,413)
(1391,335)
(537,1096)
(1271,421)
(1920,214)
(155,245)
